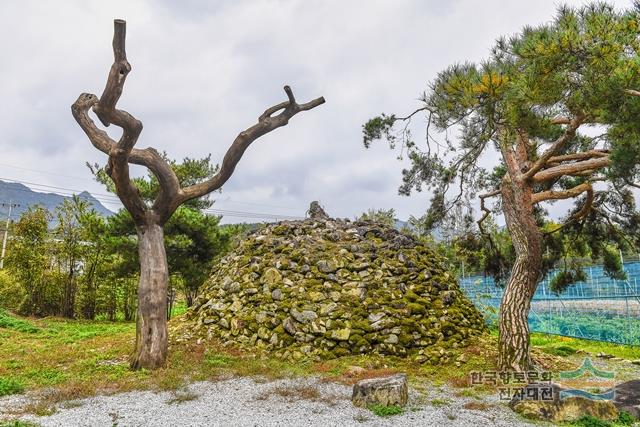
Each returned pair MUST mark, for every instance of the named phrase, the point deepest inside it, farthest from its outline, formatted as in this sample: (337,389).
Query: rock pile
(324,288)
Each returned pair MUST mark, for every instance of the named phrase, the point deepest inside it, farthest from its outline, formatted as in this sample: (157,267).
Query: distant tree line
(86,265)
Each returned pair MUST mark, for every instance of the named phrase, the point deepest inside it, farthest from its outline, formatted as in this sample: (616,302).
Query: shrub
(11,293)
(625,418)
(386,411)
(10,386)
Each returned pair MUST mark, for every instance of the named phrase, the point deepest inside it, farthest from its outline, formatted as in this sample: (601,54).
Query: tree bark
(151,328)
(526,272)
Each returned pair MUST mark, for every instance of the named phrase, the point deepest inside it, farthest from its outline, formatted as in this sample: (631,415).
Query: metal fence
(599,308)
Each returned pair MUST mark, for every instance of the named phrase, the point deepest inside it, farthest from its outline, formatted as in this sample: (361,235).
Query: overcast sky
(204,70)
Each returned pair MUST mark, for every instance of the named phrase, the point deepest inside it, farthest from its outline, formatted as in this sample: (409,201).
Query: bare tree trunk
(69,295)
(151,329)
(516,301)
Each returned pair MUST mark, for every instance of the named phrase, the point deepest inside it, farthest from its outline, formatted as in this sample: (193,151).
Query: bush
(386,411)
(625,418)
(11,293)
(10,386)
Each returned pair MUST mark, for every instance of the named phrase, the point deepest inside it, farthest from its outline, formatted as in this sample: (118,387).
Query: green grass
(17,423)
(386,411)
(82,358)
(9,322)
(554,344)
(10,386)
(624,419)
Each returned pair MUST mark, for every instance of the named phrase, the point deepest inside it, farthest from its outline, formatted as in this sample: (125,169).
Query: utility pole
(6,231)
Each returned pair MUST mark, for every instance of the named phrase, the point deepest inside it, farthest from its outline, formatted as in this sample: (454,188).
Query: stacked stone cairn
(322,288)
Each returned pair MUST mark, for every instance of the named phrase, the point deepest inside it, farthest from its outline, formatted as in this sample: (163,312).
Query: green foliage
(28,260)
(9,322)
(564,278)
(380,216)
(386,411)
(189,171)
(11,292)
(612,264)
(194,241)
(10,386)
(580,64)
(625,418)
(562,350)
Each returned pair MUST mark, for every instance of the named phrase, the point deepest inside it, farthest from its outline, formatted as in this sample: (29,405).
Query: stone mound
(324,288)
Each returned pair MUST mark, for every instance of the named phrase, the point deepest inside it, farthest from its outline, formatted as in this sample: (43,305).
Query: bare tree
(151,331)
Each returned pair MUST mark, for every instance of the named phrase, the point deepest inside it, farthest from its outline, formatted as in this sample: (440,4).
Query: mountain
(26,197)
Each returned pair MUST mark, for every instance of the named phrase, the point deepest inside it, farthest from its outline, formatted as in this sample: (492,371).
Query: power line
(109,195)
(111,199)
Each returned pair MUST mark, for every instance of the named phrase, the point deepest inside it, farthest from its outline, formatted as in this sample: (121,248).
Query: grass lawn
(80,358)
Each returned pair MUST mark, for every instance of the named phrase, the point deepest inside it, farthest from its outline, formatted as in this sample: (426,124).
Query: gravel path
(250,402)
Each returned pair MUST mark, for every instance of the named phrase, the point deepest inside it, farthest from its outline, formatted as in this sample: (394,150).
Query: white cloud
(203,71)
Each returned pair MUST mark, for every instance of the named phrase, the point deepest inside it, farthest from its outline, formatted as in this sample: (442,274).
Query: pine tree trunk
(151,329)
(516,301)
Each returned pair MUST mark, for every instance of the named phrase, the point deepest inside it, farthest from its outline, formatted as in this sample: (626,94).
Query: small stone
(355,371)
(328,308)
(289,325)
(364,273)
(274,339)
(387,391)
(271,276)
(335,296)
(463,358)
(341,334)
(304,316)
(316,296)
(237,305)
(392,339)
(326,266)
(276,295)
(374,317)
(224,323)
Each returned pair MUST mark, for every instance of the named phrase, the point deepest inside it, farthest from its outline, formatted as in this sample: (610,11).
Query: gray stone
(289,325)
(392,339)
(276,295)
(558,410)
(627,397)
(326,266)
(387,391)
(374,317)
(304,316)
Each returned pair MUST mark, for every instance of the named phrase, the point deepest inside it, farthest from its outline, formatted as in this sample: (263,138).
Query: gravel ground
(251,402)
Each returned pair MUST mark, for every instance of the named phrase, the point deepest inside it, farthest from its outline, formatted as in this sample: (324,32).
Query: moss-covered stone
(324,289)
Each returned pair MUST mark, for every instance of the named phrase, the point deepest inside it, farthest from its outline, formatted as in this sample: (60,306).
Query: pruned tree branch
(577,156)
(555,148)
(571,169)
(266,123)
(563,194)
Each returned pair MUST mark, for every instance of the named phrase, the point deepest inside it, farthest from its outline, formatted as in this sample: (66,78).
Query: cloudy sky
(204,70)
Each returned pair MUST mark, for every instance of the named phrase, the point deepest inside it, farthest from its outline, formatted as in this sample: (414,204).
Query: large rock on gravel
(627,397)
(324,288)
(559,410)
(385,391)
